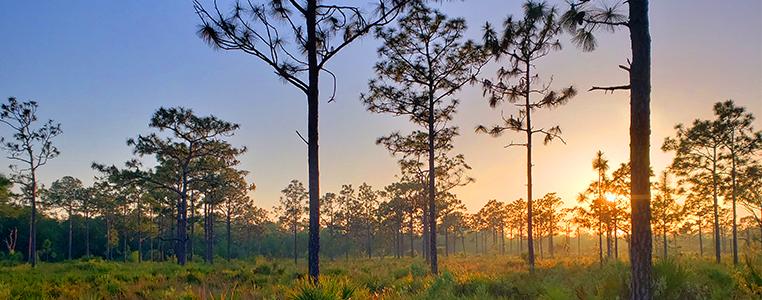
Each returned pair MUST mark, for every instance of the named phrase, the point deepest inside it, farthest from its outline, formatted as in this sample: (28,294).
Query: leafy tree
(329,213)
(583,18)
(319,31)
(742,143)
(66,193)
(666,211)
(620,206)
(291,208)
(392,213)
(424,61)
(181,152)
(451,211)
(365,209)
(524,42)
(550,215)
(750,192)
(698,156)
(31,147)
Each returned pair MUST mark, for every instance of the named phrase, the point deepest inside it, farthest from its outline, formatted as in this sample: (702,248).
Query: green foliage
(484,277)
(326,289)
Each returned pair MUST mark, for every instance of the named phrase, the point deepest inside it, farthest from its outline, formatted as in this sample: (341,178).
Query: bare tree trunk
(412,235)
(228,230)
(640,120)
(33,217)
(192,227)
(502,239)
(701,240)
(600,242)
(550,240)
(370,242)
(579,243)
(87,233)
(108,238)
(181,238)
(463,241)
(717,241)
(616,240)
(210,243)
(477,241)
(608,241)
(139,232)
(313,154)
(733,197)
(432,188)
(530,241)
(71,229)
(447,241)
(425,234)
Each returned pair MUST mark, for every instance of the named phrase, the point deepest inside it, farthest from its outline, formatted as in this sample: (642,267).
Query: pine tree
(524,42)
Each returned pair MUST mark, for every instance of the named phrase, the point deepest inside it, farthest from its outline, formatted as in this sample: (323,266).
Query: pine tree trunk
(733,197)
(579,243)
(192,226)
(181,238)
(717,248)
(412,236)
(600,242)
(227,225)
(425,235)
(108,238)
(432,188)
(87,233)
(530,241)
(71,229)
(313,155)
(210,243)
(447,241)
(550,241)
(616,241)
(701,240)
(139,232)
(295,262)
(477,242)
(640,120)
(32,249)
(502,239)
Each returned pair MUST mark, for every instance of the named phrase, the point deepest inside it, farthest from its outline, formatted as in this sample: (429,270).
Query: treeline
(128,214)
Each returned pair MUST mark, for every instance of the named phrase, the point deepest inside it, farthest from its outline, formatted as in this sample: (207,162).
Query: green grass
(486,277)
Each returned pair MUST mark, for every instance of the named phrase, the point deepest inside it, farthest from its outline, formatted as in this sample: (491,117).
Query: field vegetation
(462,277)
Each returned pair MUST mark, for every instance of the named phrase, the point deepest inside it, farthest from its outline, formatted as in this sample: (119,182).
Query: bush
(327,289)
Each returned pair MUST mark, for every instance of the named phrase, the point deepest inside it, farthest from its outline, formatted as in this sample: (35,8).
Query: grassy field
(488,277)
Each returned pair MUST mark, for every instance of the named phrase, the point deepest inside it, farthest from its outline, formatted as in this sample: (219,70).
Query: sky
(101,68)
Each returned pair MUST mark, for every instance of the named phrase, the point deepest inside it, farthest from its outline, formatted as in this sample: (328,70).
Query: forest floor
(472,277)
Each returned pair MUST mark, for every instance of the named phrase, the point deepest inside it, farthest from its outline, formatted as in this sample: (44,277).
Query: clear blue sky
(102,67)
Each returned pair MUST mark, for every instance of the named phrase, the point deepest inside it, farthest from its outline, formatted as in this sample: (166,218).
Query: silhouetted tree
(291,208)
(424,62)
(666,211)
(750,193)
(698,156)
(582,20)
(742,143)
(65,193)
(31,148)
(524,42)
(181,152)
(319,30)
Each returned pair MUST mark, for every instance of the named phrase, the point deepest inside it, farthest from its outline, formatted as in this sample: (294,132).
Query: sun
(610,197)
